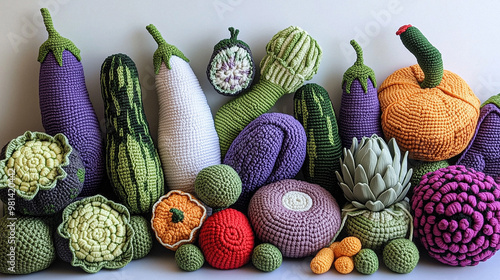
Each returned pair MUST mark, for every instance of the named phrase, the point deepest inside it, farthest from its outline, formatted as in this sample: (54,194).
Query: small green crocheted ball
(266,257)
(425,167)
(143,240)
(26,245)
(189,257)
(401,255)
(366,261)
(218,186)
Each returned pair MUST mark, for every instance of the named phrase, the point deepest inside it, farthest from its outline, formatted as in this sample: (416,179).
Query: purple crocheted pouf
(483,152)
(457,215)
(269,149)
(298,217)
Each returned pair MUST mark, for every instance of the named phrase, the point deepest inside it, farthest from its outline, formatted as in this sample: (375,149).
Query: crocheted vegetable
(292,57)
(457,215)
(65,104)
(27,245)
(143,240)
(271,148)
(177,218)
(323,261)
(366,261)
(189,257)
(483,152)
(132,162)
(99,232)
(431,112)
(359,114)
(266,257)
(218,186)
(40,174)
(401,255)
(231,68)
(314,110)
(423,168)
(227,239)
(187,140)
(298,217)
(374,176)
(344,265)
(348,247)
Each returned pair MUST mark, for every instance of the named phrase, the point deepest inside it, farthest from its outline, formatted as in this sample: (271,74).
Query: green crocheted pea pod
(266,257)
(26,245)
(189,257)
(218,186)
(401,255)
(366,261)
(143,239)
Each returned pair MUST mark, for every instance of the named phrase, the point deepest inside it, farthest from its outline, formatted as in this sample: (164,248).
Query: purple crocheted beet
(359,113)
(298,217)
(271,148)
(483,152)
(66,108)
(457,215)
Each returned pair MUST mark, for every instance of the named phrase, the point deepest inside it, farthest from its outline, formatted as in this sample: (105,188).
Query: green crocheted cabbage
(26,244)
(100,234)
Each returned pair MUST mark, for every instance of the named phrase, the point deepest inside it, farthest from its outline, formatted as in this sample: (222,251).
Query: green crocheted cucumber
(314,110)
(132,162)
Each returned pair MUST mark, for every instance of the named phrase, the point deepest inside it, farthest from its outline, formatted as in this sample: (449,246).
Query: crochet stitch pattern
(231,68)
(298,217)
(218,186)
(401,255)
(266,257)
(143,240)
(457,214)
(366,261)
(189,257)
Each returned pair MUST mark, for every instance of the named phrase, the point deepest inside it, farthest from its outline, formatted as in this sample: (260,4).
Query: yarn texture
(143,240)
(218,186)
(298,217)
(189,257)
(457,214)
(366,261)
(266,257)
(401,255)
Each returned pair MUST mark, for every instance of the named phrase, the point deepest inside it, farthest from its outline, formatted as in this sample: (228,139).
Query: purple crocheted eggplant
(483,152)
(269,149)
(65,104)
(359,107)
(457,215)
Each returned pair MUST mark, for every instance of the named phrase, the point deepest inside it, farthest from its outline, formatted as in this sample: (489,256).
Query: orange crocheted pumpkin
(431,112)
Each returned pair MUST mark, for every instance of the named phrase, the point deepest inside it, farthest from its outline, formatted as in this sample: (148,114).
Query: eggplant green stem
(55,43)
(428,57)
(358,71)
(165,51)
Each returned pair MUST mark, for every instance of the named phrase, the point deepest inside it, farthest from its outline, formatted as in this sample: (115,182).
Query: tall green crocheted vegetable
(292,57)
(132,162)
(314,110)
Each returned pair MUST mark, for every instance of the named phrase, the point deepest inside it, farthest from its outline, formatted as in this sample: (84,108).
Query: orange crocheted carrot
(431,112)
(344,265)
(348,247)
(323,261)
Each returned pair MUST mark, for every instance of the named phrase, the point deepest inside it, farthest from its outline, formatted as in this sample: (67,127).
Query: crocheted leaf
(358,71)
(495,99)
(165,51)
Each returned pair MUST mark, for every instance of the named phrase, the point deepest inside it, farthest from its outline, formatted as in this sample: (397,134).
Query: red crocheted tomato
(226,239)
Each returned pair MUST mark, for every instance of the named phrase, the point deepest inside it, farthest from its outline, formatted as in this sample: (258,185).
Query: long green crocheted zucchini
(132,162)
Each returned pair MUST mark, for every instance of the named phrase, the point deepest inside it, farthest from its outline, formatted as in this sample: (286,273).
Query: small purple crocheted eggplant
(483,152)
(269,149)
(457,215)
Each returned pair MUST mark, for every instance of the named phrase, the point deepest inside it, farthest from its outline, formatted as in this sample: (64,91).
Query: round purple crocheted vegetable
(269,149)
(457,215)
(298,217)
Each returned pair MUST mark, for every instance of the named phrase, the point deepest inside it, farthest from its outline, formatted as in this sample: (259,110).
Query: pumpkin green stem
(165,51)
(177,215)
(55,43)
(358,71)
(428,57)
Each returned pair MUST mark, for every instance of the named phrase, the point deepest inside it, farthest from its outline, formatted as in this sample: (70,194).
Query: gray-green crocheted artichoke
(374,175)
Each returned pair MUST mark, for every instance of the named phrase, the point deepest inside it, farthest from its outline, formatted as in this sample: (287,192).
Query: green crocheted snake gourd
(100,234)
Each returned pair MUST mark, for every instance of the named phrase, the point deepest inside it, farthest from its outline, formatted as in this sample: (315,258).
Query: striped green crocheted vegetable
(314,110)
(132,162)
(292,57)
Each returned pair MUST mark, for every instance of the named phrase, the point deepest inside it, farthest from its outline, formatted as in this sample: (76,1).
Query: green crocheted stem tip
(358,71)
(177,215)
(428,57)
(165,51)
(233,40)
(55,43)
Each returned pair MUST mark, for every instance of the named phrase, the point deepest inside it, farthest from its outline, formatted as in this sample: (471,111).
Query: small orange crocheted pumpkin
(431,112)
(177,219)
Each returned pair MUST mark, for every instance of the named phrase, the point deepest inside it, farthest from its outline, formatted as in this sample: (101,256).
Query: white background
(466,33)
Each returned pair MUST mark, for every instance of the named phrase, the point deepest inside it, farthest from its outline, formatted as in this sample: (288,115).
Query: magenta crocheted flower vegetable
(457,214)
